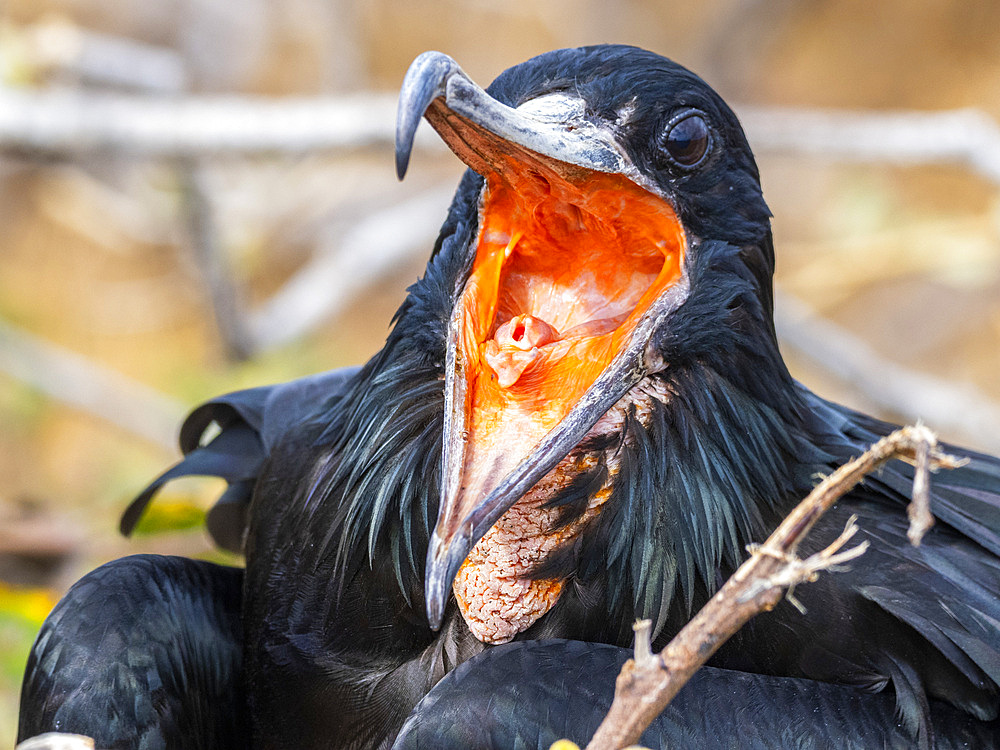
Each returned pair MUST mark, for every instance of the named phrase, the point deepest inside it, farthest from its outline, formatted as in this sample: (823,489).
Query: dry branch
(67,121)
(86,385)
(911,395)
(647,683)
(962,136)
(374,248)
(75,122)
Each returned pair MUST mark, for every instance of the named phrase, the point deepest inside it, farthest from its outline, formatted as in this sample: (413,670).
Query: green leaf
(170,515)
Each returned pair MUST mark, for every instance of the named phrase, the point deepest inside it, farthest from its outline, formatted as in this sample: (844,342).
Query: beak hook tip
(402,162)
(426,80)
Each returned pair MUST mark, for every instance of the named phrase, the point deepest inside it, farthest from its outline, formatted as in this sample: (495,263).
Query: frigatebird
(580,417)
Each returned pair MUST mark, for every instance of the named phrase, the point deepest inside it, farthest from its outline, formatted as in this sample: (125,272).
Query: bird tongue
(516,345)
(514,348)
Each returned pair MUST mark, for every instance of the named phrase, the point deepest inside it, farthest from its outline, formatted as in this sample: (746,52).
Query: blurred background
(198,196)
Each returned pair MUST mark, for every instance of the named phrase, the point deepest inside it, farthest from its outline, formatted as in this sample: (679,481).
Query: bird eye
(687,140)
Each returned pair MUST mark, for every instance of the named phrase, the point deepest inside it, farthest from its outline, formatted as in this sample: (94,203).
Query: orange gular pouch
(565,268)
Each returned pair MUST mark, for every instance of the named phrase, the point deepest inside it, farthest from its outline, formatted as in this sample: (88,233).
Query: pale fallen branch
(371,250)
(86,385)
(968,137)
(952,408)
(648,682)
(77,122)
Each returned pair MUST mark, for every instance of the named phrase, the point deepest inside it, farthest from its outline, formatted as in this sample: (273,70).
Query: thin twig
(223,291)
(643,647)
(645,687)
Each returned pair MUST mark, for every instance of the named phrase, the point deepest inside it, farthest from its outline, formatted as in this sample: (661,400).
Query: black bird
(580,417)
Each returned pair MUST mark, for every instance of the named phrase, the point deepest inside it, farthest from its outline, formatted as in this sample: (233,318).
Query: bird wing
(145,651)
(530,693)
(247,425)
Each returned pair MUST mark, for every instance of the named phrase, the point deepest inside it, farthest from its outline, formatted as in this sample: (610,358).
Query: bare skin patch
(495,595)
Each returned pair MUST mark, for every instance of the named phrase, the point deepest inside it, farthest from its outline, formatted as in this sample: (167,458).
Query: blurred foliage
(170,515)
(26,607)
(22,611)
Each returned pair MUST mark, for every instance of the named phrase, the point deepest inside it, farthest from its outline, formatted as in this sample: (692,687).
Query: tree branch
(646,683)
(910,394)
(961,136)
(86,385)
(375,247)
(74,122)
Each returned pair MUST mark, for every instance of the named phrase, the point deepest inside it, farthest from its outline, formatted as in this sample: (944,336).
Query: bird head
(620,233)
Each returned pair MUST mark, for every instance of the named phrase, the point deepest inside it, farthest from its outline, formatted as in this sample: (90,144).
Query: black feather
(144,652)
(528,695)
(249,424)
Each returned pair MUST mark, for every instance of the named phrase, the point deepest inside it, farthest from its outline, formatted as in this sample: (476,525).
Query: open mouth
(564,270)
(561,276)
(575,263)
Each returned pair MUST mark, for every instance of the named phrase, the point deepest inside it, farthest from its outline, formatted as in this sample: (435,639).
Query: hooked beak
(578,258)
(435,87)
